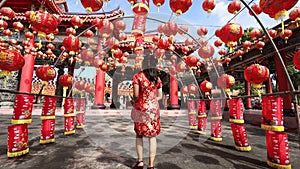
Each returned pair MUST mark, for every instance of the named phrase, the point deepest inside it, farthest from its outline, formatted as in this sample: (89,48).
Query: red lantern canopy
(42,22)
(256,74)
(208,5)
(254,34)
(202,31)
(65,80)
(45,73)
(226,81)
(206,87)
(180,6)
(92,5)
(10,60)
(295,15)
(234,7)
(296,60)
(72,44)
(206,51)
(256,8)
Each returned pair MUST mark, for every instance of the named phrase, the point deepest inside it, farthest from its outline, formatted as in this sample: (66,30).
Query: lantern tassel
(257,87)
(4,82)
(282,26)
(228,93)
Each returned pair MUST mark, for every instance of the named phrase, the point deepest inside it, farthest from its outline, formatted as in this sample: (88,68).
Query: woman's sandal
(136,166)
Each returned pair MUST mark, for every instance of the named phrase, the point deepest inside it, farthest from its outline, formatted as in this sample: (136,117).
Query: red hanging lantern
(208,5)
(254,34)
(256,8)
(10,60)
(191,61)
(272,33)
(158,3)
(76,21)
(222,52)
(18,26)
(206,87)
(119,25)
(3,24)
(226,81)
(286,34)
(112,43)
(117,53)
(260,45)
(218,43)
(239,53)
(163,44)
(234,7)
(256,74)
(180,67)
(65,80)
(296,60)
(89,34)
(92,5)
(295,16)
(202,31)
(231,32)
(170,29)
(246,45)
(7,12)
(42,22)
(87,55)
(45,73)
(180,6)
(141,7)
(206,51)
(72,44)
(227,60)
(276,9)
(105,27)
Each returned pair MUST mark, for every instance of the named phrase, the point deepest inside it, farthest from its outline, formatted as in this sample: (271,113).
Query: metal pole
(283,66)
(2,3)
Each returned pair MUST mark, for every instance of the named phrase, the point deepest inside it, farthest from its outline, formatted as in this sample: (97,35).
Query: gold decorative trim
(274,165)
(248,148)
(16,154)
(47,117)
(69,132)
(236,121)
(47,141)
(273,128)
(25,121)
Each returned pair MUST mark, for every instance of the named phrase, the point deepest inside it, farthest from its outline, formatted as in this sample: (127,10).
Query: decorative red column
(283,84)
(48,120)
(192,114)
(80,112)
(100,85)
(173,93)
(248,89)
(202,118)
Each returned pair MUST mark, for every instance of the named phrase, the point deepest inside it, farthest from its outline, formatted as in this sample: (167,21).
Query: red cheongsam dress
(147,107)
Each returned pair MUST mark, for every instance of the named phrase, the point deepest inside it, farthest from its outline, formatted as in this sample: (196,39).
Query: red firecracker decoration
(240,137)
(92,5)
(236,110)
(278,150)
(272,115)
(80,113)
(192,114)
(69,116)
(22,109)
(216,130)
(215,109)
(180,6)
(47,131)
(202,117)
(49,107)
(17,140)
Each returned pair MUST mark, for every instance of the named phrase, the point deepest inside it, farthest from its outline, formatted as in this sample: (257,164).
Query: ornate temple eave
(25,5)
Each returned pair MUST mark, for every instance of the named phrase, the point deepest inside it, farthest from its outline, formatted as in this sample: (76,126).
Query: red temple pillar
(248,87)
(173,93)
(99,85)
(27,71)
(270,85)
(283,84)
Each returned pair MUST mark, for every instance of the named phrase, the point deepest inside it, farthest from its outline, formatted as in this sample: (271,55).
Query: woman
(146,114)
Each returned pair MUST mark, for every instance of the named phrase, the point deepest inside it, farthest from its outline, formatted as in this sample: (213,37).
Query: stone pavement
(107,142)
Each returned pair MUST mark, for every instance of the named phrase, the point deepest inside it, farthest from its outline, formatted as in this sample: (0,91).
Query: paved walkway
(107,142)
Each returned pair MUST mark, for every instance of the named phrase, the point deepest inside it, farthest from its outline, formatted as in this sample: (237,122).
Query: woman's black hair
(149,68)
